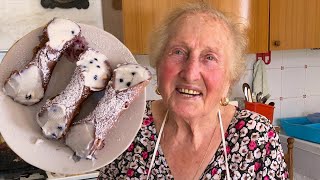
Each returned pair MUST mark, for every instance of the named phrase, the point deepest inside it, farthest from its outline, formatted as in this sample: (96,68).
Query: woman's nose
(191,70)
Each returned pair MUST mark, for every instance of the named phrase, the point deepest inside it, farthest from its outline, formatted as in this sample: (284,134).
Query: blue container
(301,128)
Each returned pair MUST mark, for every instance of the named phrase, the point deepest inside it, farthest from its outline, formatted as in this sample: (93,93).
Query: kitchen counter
(306,158)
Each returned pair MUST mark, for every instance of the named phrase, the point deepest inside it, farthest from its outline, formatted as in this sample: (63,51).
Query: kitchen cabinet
(294,24)
(141,16)
(273,24)
(253,13)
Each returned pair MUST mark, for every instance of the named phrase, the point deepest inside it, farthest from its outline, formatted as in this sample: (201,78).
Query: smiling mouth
(189,92)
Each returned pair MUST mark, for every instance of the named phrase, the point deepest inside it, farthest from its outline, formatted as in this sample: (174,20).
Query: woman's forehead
(210,28)
(206,18)
(199,21)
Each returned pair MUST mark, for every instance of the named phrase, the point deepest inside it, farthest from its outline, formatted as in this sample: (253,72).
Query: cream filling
(25,87)
(53,121)
(189,91)
(95,69)
(80,139)
(61,31)
(129,75)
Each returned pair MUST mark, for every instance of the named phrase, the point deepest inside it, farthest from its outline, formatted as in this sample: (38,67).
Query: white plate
(18,125)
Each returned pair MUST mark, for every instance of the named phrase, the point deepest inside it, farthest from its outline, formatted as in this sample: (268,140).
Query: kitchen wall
(292,80)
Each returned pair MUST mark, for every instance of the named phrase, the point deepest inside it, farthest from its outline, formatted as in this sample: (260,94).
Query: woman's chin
(185,110)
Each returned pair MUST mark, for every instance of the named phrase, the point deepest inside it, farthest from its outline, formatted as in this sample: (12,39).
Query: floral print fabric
(253,150)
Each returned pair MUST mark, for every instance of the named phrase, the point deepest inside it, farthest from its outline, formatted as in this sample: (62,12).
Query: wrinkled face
(193,74)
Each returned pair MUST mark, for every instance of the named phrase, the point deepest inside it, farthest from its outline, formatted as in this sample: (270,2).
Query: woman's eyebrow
(215,50)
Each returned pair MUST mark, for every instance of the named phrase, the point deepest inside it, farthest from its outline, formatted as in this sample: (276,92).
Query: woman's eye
(178,52)
(210,57)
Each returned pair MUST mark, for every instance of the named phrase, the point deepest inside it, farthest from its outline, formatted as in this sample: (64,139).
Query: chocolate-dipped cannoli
(28,85)
(92,73)
(127,83)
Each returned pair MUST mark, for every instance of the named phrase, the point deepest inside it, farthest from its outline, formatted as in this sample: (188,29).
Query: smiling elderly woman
(198,54)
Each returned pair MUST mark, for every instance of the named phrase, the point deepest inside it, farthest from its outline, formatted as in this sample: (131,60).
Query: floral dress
(253,150)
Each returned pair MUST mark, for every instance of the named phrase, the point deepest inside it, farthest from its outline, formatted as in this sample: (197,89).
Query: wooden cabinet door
(294,24)
(140,17)
(254,14)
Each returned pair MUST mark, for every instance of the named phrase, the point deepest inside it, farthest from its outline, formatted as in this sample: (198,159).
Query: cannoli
(28,85)
(87,136)
(92,73)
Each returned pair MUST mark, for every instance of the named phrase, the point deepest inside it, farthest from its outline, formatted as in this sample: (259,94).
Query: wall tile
(142,59)
(293,82)
(294,58)
(292,107)
(237,89)
(276,60)
(250,60)
(150,90)
(274,82)
(312,81)
(277,110)
(312,104)
(312,58)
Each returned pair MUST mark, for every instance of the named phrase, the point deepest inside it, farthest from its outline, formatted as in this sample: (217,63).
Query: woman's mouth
(189,92)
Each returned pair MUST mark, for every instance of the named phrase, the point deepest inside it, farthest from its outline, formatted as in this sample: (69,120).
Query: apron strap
(157,144)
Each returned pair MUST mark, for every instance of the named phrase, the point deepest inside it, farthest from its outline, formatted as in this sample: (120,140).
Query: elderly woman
(198,54)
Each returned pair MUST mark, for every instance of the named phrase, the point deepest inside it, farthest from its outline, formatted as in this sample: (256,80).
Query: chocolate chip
(98,66)
(121,80)
(60,128)
(96,59)
(133,73)
(28,96)
(54,135)
(84,66)
(95,77)
(91,62)
(128,84)
(72,32)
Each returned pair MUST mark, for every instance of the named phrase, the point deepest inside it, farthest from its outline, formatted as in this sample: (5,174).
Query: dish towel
(260,79)
(314,118)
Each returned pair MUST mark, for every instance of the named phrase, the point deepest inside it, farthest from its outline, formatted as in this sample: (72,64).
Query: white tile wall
(292,107)
(312,80)
(274,82)
(294,58)
(294,84)
(312,104)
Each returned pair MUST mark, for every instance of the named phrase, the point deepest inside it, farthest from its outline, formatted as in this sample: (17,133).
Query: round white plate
(20,129)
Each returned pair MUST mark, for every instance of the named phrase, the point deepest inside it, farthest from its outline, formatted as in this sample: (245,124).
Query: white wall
(293,82)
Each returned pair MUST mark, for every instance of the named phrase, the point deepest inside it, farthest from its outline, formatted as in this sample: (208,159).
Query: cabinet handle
(276,43)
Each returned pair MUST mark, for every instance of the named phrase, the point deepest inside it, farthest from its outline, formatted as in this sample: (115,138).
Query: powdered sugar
(109,108)
(46,58)
(115,101)
(57,114)
(72,95)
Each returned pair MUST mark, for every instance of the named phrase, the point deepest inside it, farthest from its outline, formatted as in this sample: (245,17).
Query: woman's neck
(194,131)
